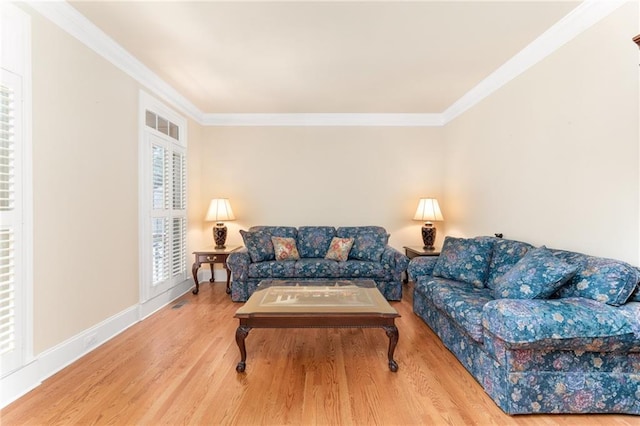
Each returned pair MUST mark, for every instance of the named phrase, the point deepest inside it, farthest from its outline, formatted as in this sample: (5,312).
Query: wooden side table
(418,251)
(212,256)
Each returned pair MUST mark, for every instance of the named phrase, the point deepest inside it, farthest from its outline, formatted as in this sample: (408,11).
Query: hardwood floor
(178,367)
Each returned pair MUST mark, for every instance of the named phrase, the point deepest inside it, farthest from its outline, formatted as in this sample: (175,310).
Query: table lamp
(428,211)
(219,211)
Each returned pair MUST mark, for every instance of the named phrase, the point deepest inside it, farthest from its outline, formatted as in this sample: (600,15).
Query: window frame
(148,138)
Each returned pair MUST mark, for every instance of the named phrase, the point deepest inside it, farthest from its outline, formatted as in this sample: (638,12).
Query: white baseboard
(18,383)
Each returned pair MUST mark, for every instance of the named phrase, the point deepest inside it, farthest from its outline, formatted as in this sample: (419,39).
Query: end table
(212,256)
(418,251)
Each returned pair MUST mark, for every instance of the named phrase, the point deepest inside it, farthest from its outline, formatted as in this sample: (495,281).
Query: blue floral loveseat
(368,256)
(543,331)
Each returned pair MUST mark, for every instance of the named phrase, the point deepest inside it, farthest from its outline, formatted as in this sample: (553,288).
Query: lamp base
(428,236)
(220,235)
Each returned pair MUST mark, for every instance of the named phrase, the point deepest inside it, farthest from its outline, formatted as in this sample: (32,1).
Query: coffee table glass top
(274,296)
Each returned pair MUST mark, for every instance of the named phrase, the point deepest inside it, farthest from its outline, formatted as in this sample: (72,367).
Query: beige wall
(553,157)
(322,176)
(85,178)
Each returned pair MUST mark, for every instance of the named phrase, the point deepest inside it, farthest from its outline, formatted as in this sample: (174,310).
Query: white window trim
(16,59)
(148,102)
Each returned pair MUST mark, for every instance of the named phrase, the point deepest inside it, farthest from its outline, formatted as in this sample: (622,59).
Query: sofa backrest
(368,241)
(313,241)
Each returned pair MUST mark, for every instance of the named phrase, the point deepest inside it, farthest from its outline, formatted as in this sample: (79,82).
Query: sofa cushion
(425,285)
(506,253)
(259,245)
(572,323)
(339,249)
(313,241)
(285,248)
(605,280)
(361,269)
(463,303)
(316,268)
(465,259)
(272,269)
(536,276)
(257,240)
(368,241)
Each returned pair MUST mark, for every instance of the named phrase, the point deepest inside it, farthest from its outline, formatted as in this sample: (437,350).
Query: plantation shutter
(10,224)
(168,203)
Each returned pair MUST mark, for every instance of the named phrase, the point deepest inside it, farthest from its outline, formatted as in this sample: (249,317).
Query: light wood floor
(178,367)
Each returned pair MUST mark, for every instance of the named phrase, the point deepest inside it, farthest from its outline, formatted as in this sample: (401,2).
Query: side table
(418,251)
(212,255)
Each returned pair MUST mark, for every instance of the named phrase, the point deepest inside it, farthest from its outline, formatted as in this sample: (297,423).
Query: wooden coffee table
(294,304)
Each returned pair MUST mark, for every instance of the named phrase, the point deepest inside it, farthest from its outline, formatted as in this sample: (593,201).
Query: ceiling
(327,56)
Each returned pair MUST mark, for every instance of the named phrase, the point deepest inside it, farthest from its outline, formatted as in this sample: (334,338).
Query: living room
(550,157)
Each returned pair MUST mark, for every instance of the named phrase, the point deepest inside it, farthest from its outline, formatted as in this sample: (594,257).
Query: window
(15,190)
(164,203)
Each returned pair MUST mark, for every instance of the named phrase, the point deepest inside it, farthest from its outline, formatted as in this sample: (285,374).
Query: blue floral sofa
(543,331)
(370,257)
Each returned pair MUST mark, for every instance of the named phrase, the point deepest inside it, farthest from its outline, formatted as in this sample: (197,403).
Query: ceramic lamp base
(220,235)
(428,236)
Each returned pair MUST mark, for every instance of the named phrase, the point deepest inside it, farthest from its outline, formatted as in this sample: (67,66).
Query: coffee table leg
(241,333)
(392,332)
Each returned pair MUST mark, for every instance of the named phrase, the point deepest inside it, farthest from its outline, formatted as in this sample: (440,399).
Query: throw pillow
(258,245)
(536,276)
(605,280)
(465,259)
(285,248)
(369,242)
(339,249)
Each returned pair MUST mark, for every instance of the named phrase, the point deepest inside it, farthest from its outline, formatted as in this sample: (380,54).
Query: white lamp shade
(219,211)
(428,210)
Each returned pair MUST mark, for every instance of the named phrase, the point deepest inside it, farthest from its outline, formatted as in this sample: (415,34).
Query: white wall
(335,176)
(553,157)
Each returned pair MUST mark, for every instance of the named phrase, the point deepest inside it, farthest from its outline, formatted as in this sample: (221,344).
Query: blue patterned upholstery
(465,259)
(369,241)
(256,262)
(310,268)
(313,241)
(605,280)
(563,354)
(506,253)
(536,276)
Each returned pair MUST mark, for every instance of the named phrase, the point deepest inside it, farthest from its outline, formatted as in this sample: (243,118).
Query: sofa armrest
(421,266)
(238,263)
(393,260)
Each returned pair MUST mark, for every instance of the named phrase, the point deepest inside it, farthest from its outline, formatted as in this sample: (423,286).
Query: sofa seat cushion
(368,241)
(463,303)
(272,269)
(361,269)
(313,241)
(425,284)
(506,253)
(605,280)
(561,324)
(465,259)
(316,268)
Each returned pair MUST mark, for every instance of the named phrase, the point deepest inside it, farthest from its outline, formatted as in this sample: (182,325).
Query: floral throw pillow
(285,248)
(536,276)
(339,249)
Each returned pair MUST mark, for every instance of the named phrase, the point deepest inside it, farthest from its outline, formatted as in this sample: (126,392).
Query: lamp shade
(428,210)
(219,211)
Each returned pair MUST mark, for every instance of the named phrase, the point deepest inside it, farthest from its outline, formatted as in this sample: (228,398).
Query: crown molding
(578,20)
(324,119)
(70,20)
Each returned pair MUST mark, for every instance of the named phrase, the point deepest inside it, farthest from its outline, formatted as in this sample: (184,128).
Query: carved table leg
(228,278)
(392,332)
(241,334)
(212,279)
(194,271)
